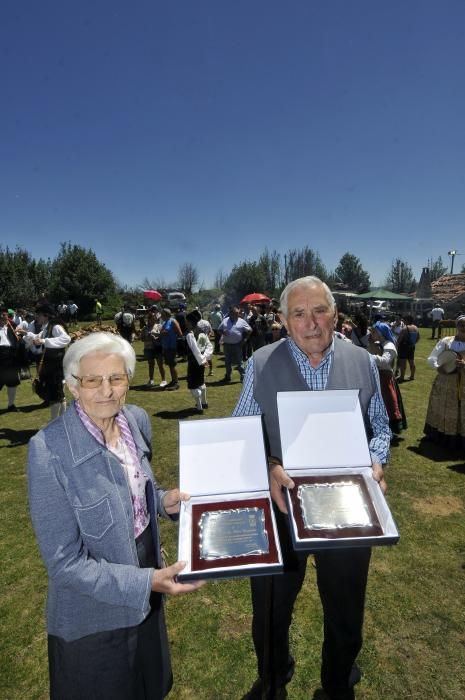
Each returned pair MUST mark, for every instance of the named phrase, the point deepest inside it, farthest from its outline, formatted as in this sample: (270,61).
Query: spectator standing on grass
(126,324)
(197,361)
(383,348)
(406,344)
(169,334)
(98,312)
(10,344)
(72,311)
(180,317)
(257,322)
(235,331)
(445,418)
(49,347)
(153,352)
(397,326)
(202,334)
(437,315)
(215,317)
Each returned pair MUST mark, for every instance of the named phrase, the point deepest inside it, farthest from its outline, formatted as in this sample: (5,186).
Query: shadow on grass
(221,382)
(459,468)
(33,407)
(177,415)
(435,453)
(148,389)
(16,437)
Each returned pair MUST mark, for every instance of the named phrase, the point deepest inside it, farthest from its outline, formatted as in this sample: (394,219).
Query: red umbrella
(255,298)
(152,294)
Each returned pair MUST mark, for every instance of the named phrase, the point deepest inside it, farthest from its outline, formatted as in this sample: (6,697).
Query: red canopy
(152,294)
(255,298)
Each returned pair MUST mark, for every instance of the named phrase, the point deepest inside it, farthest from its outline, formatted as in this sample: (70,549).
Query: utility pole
(452,254)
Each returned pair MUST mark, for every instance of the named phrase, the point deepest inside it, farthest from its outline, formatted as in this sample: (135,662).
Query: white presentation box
(227,529)
(336,502)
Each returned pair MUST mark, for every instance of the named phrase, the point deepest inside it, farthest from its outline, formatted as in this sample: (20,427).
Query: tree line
(77,275)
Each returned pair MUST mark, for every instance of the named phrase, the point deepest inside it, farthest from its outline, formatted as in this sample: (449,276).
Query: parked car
(174,299)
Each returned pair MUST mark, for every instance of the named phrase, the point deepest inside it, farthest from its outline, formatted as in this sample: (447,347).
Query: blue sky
(203,131)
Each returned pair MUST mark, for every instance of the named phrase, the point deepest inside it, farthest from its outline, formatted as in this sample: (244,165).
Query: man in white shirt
(437,315)
(235,331)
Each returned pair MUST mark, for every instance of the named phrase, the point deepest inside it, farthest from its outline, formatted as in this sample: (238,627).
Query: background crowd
(32,347)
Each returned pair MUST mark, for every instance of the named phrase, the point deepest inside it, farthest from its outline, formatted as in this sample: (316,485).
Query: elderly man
(311,359)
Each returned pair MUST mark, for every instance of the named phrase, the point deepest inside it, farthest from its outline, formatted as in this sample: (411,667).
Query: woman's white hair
(99,342)
(309,281)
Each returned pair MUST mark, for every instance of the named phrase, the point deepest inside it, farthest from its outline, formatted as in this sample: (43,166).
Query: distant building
(424,285)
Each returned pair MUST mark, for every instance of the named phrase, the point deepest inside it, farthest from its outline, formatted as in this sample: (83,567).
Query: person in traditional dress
(445,418)
(383,348)
(10,344)
(94,504)
(197,360)
(48,348)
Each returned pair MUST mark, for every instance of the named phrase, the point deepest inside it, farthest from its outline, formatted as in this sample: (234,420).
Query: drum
(447,361)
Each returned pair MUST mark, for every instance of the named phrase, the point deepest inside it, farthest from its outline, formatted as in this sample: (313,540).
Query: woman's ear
(73,389)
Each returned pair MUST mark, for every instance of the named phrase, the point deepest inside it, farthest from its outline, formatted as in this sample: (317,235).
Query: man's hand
(278,479)
(163,580)
(378,475)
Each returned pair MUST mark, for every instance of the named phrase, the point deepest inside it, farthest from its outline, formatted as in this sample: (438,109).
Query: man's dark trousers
(341,577)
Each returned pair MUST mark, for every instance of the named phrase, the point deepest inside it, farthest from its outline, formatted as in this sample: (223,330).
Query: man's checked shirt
(316,379)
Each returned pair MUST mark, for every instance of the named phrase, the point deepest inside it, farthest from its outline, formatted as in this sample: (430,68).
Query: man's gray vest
(275,369)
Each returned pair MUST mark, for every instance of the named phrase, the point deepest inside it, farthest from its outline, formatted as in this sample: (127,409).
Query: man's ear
(335,315)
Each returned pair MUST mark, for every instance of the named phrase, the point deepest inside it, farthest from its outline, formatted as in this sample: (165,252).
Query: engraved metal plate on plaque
(238,532)
(333,505)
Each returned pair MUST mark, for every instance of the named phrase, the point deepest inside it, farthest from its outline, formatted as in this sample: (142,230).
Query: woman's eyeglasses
(94,381)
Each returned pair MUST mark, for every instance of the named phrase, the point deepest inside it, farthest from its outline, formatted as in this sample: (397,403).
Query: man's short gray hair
(309,281)
(98,342)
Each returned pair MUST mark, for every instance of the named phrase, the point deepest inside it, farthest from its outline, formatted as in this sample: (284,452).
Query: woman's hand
(172,500)
(164,580)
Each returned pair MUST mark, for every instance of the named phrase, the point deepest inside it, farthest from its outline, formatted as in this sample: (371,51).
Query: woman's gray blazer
(82,515)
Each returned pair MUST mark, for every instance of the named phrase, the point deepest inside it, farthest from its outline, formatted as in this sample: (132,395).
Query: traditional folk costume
(10,347)
(49,356)
(445,418)
(196,361)
(389,388)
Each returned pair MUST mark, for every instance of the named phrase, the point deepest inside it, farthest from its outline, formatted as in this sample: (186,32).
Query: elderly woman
(383,347)
(94,505)
(445,418)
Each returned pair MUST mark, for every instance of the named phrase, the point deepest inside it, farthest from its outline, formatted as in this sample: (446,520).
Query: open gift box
(227,529)
(335,501)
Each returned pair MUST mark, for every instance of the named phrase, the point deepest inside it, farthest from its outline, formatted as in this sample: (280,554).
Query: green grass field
(415,613)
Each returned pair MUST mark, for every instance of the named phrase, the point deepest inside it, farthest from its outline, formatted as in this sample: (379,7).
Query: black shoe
(226,379)
(256,692)
(172,386)
(198,410)
(205,405)
(355,676)
(12,408)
